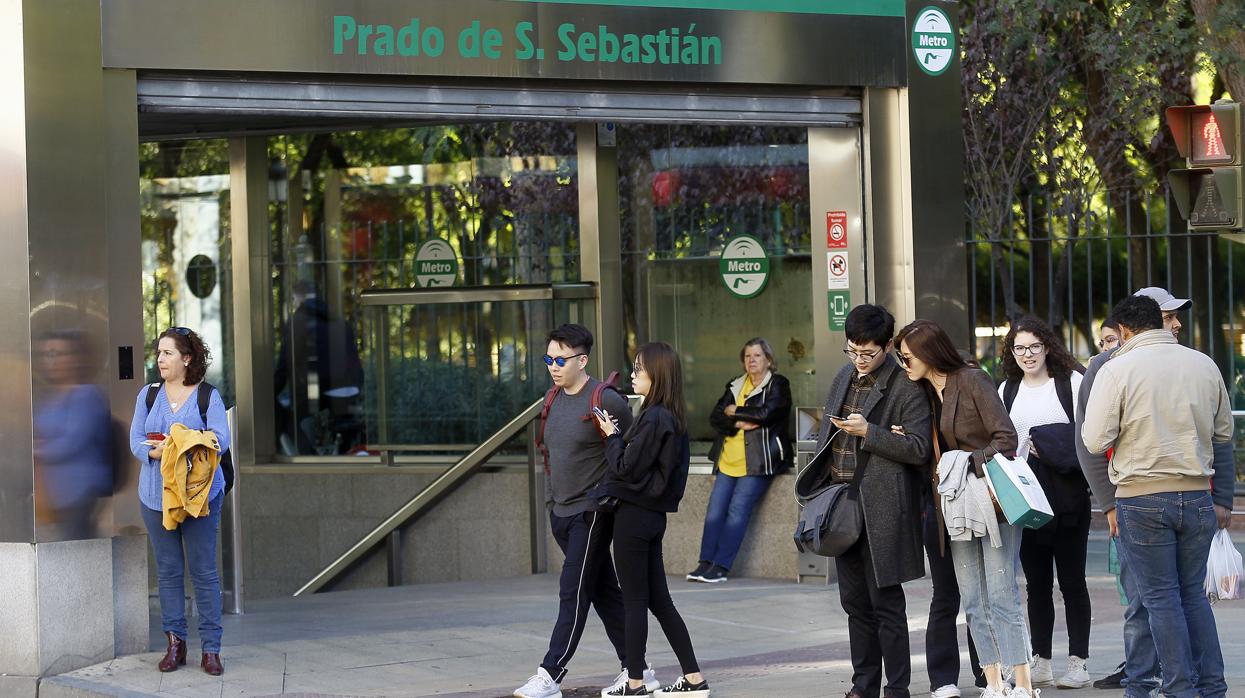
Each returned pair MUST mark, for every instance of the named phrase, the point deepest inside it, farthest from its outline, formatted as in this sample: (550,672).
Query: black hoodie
(648,466)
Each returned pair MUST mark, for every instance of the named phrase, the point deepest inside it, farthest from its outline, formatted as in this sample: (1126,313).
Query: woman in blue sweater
(647,474)
(182,358)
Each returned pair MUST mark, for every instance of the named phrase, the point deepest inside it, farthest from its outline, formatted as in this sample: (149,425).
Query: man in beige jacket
(1161,405)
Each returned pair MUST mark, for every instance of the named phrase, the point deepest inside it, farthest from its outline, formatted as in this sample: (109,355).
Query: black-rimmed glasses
(854,355)
(904,359)
(559,360)
(1032,349)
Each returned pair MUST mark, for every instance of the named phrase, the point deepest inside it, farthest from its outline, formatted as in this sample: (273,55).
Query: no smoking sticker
(836,229)
(837,270)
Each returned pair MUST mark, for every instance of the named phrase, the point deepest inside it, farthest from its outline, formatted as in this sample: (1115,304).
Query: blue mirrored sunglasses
(560,360)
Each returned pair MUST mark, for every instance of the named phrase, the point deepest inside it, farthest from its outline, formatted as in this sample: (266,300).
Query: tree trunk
(1228,38)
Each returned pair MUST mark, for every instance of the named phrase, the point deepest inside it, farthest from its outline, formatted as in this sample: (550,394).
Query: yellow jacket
(188,468)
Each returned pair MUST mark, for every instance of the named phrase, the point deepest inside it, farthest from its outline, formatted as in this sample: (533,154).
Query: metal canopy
(173,106)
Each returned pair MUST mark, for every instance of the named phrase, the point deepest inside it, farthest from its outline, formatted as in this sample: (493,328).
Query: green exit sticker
(838,303)
(933,41)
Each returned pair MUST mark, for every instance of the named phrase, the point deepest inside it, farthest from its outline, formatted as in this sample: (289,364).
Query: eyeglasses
(183,331)
(1102,343)
(560,360)
(1032,350)
(861,355)
(904,359)
(637,368)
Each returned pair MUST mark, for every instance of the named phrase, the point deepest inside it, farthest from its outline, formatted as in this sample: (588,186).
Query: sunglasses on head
(560,360)
(183,331)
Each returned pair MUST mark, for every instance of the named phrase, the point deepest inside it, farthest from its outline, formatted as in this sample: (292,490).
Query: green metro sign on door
(744,266)
(838,303)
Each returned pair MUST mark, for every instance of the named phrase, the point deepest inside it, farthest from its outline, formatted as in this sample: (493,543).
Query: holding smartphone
(153,438)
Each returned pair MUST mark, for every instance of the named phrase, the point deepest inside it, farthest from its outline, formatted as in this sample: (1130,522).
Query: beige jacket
(1160,405)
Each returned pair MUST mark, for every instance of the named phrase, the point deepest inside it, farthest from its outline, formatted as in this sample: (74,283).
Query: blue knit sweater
(161,418)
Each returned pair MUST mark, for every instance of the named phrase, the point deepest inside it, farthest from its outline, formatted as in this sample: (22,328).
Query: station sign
(933,41)
(744,266)
(436,264)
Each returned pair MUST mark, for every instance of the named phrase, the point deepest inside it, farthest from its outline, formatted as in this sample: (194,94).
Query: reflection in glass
(685,192)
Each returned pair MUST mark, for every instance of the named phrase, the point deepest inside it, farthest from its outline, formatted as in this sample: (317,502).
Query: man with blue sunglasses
(576,463)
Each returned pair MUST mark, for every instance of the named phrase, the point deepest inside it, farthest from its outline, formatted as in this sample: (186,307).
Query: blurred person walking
(182,358)
(647,475)
(972,419)
(1041,380)
(752,446)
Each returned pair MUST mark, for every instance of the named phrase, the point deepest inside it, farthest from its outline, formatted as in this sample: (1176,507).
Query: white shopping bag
(1018,493)
(1223,569)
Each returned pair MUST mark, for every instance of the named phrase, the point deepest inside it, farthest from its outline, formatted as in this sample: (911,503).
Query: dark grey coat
(894,467)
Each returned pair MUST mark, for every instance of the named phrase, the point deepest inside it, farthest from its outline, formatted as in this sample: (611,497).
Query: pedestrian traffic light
(1211,192)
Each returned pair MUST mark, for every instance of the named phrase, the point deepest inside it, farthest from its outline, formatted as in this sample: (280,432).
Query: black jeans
(637,556)
(1059,545)
(587,578)
(942,638)
(877,624)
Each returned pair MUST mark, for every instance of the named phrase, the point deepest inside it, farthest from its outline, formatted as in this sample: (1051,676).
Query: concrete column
(64,206)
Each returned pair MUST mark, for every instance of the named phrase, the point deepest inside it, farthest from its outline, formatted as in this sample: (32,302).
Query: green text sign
(744,266)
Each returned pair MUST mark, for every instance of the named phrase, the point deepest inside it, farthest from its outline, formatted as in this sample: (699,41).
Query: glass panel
(685,192)
(184,199)
(352,211)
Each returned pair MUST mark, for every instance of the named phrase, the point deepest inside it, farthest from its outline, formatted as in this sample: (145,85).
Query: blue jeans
(1165,539)
(193,544)
(1141,663)
(726,521)
(986,576)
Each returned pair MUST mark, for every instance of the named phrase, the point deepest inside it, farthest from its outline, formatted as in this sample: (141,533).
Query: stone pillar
(69,141)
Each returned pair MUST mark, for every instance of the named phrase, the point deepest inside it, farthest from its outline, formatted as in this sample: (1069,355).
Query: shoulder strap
(205,399)
(550,396)
(1063,387)
(1010,388)
(599,389)
(152,391)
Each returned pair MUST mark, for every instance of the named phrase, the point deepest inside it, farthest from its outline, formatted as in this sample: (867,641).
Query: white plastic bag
(1225,577)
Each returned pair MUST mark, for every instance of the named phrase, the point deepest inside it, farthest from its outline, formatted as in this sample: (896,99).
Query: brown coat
(974,418)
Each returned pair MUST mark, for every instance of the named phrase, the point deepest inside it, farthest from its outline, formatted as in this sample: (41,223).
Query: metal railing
(388,531)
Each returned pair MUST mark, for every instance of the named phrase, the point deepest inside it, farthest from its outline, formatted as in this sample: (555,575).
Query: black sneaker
(696,574)
(626,690)
(715,575)
(1112,681)
(684,688)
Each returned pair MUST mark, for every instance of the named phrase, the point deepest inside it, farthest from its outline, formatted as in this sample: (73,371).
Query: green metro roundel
(933,41)
(744,266)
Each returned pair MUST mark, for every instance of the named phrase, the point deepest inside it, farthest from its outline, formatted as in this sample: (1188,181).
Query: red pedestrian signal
(1206,141)
(1211,192)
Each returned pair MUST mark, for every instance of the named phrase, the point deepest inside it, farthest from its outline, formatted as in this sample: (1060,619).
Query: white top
(1035,406)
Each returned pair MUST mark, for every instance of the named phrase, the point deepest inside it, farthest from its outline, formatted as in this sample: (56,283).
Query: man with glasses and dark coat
(876,432)
(576,463)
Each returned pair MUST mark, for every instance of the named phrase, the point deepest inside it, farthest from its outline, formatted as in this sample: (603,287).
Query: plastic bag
(1113,566)
(1225,577)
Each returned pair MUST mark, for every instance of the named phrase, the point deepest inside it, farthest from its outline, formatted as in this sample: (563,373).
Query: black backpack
(205,396)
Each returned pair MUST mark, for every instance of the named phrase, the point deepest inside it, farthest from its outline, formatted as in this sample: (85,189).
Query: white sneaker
(988,692)
(650,681)
(948,691)
(541,685)
(1040,672)
(1077,676)
(1022,693)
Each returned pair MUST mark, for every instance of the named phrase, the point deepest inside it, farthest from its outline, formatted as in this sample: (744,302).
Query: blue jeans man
(1141,663)
(1165,540)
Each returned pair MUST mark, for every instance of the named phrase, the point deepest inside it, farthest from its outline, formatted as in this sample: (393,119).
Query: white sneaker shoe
(1040,671)
(1077,676)
(1022,693)
(541,685)
(948,691)
(988,692)
(650,681)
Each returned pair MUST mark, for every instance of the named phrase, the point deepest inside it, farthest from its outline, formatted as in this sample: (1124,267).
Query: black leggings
(1059,545)
(642,576)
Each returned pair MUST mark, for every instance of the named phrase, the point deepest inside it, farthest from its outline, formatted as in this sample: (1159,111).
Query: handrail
(443,485)
(478,294)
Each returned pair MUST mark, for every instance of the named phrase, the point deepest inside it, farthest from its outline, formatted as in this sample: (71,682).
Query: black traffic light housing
(1211,193)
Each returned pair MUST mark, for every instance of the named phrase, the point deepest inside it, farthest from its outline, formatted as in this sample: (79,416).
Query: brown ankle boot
(211,664)
(175,655)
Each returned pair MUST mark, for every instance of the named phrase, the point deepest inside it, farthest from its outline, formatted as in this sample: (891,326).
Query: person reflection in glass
(73,439)
(318,378)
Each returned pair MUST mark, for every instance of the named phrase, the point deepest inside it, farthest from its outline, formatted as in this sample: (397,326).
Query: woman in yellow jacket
(182,358)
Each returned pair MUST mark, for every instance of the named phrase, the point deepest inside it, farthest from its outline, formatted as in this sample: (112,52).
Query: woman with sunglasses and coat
(752,446)
(971,418)
(182,358)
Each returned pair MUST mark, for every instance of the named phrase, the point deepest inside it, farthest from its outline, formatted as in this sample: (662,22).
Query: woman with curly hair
(182,358)
(1042,379)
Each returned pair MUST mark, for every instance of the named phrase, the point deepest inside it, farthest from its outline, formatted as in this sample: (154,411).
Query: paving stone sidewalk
(483,639)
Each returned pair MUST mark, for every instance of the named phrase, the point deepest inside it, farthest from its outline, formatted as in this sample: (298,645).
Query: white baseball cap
(1167,302)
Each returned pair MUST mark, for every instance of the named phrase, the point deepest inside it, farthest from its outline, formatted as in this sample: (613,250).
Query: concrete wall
(297,520)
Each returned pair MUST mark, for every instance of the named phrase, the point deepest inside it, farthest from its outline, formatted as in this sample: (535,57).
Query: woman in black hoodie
(647,474)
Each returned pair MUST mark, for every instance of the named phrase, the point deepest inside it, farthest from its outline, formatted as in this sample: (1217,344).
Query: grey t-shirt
(576,449)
